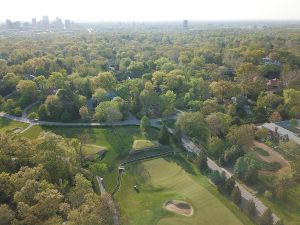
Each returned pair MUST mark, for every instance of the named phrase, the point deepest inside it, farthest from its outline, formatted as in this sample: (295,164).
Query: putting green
(160,180)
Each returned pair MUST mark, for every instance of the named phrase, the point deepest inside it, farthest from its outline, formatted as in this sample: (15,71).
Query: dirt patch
(179,207)
(273,155)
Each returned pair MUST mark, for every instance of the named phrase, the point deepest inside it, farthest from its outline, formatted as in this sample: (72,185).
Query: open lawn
(173,178)
(7,125)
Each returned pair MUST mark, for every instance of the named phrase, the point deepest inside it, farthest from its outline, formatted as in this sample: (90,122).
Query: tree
(27,89)
(105,80)
(42,112)
(232,154)
(33,116)
(229,185)
(223,89)
(202,161)
(266,218)
(6,215)
(77,194)
(168,100)
(241,135)
(84,113)
(99,95)
(245,170)
(291,100)
(217,178)
(54,107)
(6,187)
(219,123)
(216,147)
(250,208)
(236,195)
(262,133)
(10,80)
(145,124)
(94,211)
(163,136)
(113,115)
(98,168)
(275,117)
(193,124)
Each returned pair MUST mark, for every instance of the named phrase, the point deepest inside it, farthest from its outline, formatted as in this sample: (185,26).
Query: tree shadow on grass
(182,162)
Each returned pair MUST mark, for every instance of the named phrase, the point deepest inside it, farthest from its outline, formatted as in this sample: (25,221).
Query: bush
(268,195)
(217,178)
(236,195)
(250,208)
(163,136)
(266,218)
(33,116)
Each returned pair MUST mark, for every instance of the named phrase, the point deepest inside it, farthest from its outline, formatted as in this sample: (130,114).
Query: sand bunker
(179,207)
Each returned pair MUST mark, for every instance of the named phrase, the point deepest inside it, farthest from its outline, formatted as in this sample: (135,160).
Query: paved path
(24,113)
(101,186)
(10,94)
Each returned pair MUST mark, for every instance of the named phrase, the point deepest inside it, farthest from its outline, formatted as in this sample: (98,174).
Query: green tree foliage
(245,170)
(216,147)
(241,135)
(163,136)
(236,195)
(94,211)
(145,124)
(6,215)
(229,185)
(202,161)
(77,194)
(250,208)
(266,218)
(291,100)
(194,125)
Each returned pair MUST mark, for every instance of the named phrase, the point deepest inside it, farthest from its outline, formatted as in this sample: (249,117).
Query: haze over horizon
(151,10)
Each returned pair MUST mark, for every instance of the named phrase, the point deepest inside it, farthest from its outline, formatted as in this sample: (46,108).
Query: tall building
(33,21)
(185,24)
(67,24)
(45,21)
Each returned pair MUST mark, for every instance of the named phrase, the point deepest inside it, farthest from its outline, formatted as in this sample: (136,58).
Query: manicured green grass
(261,151)
(288,209)
(89,149)
(160,180)
(140,144)
(7,125)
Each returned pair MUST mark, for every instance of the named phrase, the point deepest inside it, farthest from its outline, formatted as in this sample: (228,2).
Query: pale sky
(150,10)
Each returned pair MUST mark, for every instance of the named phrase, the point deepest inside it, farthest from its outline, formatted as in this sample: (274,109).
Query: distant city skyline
(150,10)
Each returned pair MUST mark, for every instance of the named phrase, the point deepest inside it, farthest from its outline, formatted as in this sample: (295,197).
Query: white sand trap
(179,207)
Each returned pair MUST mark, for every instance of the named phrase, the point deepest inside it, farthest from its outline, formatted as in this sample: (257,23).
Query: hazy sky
(150,10)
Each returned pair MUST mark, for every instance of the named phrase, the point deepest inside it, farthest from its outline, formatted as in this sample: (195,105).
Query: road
(187,144)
